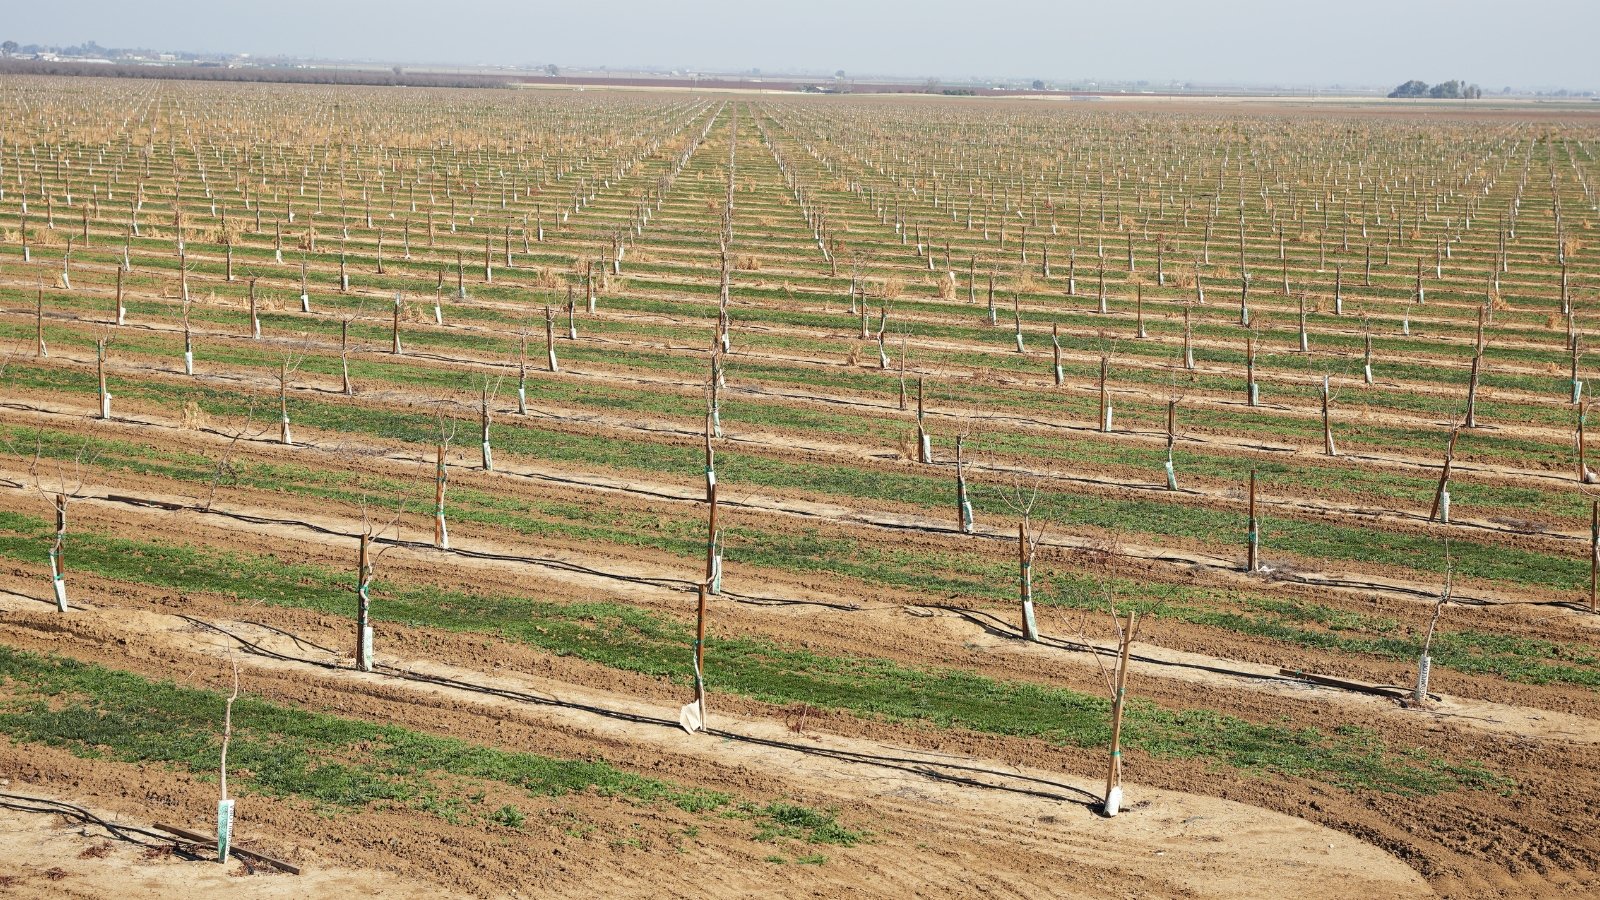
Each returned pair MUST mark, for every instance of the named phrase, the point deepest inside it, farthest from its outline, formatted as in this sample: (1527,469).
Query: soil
(1034,830)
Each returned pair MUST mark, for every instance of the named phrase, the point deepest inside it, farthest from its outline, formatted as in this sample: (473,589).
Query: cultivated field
(464,362)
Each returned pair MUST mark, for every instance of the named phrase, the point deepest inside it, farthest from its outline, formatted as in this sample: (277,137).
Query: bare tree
(1021,500)
(366,569)
(288,367)
(188,342)
(488,388)
(1419,694)
(224,802)
(60,491)
(447,434)
(224,471)
(1116,686)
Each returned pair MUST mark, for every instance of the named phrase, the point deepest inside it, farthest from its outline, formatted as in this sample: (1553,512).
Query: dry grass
(547,279)
(195,418)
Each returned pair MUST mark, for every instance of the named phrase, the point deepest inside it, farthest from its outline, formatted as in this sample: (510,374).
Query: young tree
(1021,500)
(224,802)
(366,568)
(488,389)
(60,492)
(1419,694)
(447,435)
(1116,686)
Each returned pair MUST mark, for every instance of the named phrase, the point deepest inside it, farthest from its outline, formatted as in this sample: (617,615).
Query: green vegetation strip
(1158,519)
(969,574)
(332,761)
(1397,489)
(629,639)
(1137,414)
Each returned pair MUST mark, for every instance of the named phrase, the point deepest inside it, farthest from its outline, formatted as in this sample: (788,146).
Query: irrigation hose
(690,585)
(130,833)
(1031,785)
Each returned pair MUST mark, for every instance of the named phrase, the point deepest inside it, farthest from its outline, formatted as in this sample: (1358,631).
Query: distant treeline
(1444,90)
(223,73)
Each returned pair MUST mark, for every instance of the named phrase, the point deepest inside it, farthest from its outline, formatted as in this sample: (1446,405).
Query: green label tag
(224,829)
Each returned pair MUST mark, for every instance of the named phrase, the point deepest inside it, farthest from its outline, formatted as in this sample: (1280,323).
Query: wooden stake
(344,359)
(100,369)
(924,443)
(441,535)
(1327,427)
(1252,557)
(283,403)
(713,535)
(550,338)
(1105,400)
(1594,557)
(1472,393)
(1577,386)
(1119,696)
(1305,344)
(255,321)
(1444,474)
(963,506)
(394,331)
(1188,341)
(1584,475)
(484,421)
(1250,368)
(699,647)
(364,603)
(38,324)
(1172,440)
(1030,630)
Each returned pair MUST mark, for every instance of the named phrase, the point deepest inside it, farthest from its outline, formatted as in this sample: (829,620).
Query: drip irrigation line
(1031,785)
(983,619)
(130,833)
(253,647)
(679,584)
(76,603)
(994,624)
(298,640)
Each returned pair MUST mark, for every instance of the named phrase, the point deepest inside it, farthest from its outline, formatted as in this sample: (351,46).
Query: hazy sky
(1523,43)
